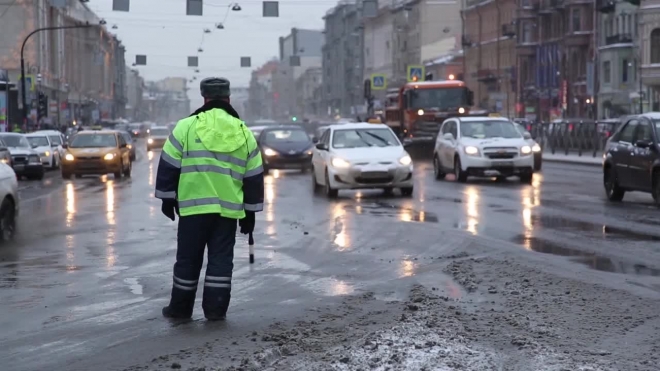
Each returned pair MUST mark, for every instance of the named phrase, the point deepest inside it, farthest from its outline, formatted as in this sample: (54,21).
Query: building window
(624,70)
(576,19)
(607,72)
(527,32)
(655,46)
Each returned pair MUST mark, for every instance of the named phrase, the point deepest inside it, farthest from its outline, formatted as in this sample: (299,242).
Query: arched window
(655,46)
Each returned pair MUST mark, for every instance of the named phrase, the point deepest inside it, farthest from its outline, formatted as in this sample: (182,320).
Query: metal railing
(581,137)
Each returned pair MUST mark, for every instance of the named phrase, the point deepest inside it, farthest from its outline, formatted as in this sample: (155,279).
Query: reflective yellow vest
(214,152)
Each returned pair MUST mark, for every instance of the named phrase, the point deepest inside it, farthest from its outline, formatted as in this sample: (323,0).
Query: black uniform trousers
(195,233)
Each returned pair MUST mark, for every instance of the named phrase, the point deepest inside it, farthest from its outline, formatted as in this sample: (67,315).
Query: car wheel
(407,191)
(127,172)
(7,220)
(537,165)
(315,184)
(461,176)
(437,169)
(527,178)
(55,163)
(119,173)
(329,191)
(612,189)
(656,187)
(66,175)
(266,170)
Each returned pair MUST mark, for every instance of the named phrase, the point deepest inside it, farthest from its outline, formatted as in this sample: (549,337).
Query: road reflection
(339,231)
(530,198)
(110,202)
(341,288)
(269,190)
(70,204)
(407,268)
(472,208)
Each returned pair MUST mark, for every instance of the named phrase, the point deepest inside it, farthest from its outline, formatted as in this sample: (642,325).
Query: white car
(50,157)
(359,156)
(482,146)
(536,148)
(9,204)
(57,139)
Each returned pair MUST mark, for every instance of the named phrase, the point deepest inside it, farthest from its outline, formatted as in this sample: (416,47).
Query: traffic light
(294,119)
(42,105)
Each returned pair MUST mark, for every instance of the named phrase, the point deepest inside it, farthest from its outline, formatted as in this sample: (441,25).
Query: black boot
(215,317)
(168,312)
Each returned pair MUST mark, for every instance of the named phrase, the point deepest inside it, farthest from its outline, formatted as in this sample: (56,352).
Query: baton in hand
(251,248)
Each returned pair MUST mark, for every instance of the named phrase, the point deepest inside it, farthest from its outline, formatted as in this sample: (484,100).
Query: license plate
(374,174)
(503,164)
(291,166)
(19,167)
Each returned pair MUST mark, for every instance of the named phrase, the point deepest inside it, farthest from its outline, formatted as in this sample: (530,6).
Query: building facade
(261,97)
(618,56)
(299,50)
(74,68)
(556,59)
(307,86)
(489,42)
(378,51)
(134,90)
(649,13)
(342,60)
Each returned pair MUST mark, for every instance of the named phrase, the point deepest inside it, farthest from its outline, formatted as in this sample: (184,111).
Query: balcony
(651,74)
(527,12)
(606,6)
(557,4)
(466,42)
(508,30)
(579,38)
(486,76)
(624,38)
(526,48)
(545,7)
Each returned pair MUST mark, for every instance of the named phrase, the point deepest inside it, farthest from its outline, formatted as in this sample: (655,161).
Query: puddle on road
(572,225)
(393,211)
(591,260)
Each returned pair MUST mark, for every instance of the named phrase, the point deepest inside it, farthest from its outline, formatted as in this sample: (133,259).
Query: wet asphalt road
(82,286)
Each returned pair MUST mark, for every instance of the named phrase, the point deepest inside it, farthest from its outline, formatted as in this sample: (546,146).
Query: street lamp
(23,92)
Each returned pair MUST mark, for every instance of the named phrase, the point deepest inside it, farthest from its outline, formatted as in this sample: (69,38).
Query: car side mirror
(643,144)
(527,136)
(321,147)
(448,136)
(3,149)
(123,145)
(64,145)
(315,140)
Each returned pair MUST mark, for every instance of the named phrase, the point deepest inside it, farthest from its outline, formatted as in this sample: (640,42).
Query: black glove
(169,208)
(247,223)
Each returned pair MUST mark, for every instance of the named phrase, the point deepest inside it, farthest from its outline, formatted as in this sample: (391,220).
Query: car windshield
(521,128)
(438,98)
(93,141)
(286,136)
(357,138)
(38,141)
(134,126)
(489,129)
(159,132)
(657,125)
(16,141)
(127,137)
(55,139)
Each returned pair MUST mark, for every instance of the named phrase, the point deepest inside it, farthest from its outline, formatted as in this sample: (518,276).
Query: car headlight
(46,154)
(269,152)
(536,148)
(340,163)
(150,140)
(109,156)
(34,159)
(525,150)
(129,146)
(310,151)
(405,160)
(5,161)
(69,157)
(461,110)
(471,150)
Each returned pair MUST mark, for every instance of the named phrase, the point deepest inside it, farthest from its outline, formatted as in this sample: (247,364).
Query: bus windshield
(439,98)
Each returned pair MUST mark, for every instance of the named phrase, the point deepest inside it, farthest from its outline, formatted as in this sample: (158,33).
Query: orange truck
(416,110)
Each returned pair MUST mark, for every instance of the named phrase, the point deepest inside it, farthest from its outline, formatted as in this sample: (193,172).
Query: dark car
(632,158)
(129,143)
(285,147)
(25,161)
(135,130)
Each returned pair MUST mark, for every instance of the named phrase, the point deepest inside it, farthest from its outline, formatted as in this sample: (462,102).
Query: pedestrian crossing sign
(378,82)
(415,73)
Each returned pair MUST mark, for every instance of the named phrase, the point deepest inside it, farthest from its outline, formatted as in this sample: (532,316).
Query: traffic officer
(210,173)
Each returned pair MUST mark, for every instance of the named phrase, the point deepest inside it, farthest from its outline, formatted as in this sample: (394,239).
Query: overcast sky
(160,30)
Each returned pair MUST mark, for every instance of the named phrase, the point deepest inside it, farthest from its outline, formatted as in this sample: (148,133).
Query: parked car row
(30,154)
